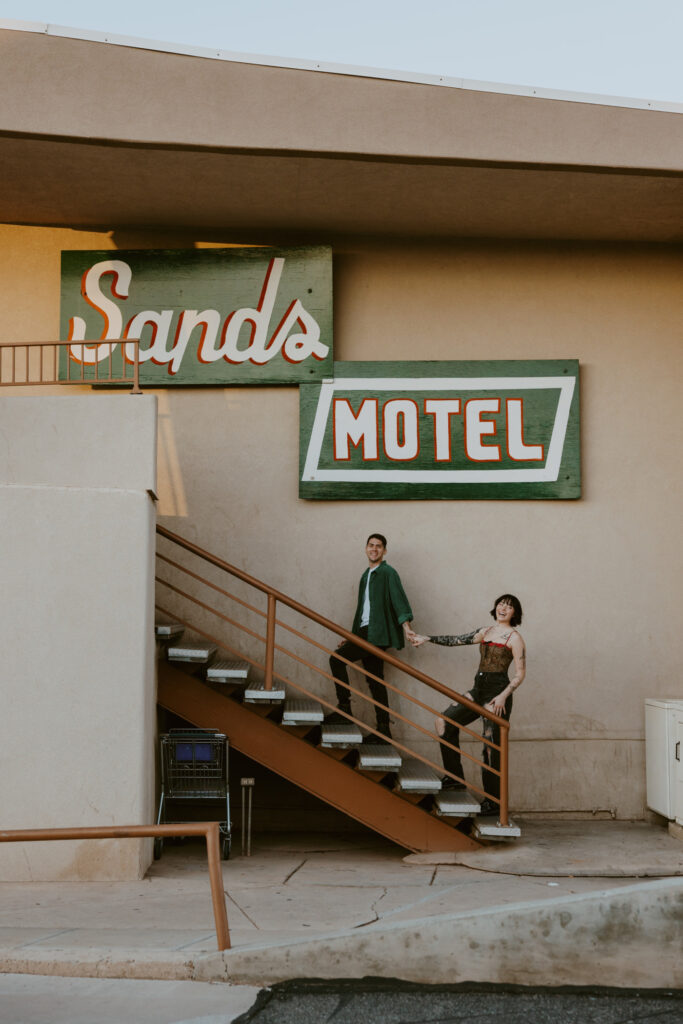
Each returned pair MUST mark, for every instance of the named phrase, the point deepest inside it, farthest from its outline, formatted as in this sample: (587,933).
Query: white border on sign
(548,473)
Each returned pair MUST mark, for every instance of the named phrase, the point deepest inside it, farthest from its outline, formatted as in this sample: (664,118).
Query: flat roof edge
(297,64)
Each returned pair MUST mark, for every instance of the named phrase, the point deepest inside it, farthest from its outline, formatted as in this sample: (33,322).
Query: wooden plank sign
(204,316)
(423,430)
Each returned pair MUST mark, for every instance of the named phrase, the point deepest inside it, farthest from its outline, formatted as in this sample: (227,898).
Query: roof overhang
(107,136)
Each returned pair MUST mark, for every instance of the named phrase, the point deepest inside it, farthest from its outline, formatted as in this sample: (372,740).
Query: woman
(500,645)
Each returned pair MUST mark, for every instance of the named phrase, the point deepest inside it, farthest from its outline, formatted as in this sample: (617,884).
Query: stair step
(299,711)
(345,734)
(416,777)
(372,756)
(198,652)
(488,827)
(457,802)
(257,694)
(168,630)
(223,671)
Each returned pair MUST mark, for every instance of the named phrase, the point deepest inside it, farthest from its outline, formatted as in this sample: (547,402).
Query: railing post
(504,733)
(213,853)
(136,390)
(270,643)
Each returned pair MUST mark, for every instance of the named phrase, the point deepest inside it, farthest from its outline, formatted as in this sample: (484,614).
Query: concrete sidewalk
(299,887)
(31,999)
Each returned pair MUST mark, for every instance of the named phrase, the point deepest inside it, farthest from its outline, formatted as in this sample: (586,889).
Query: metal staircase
(375,783)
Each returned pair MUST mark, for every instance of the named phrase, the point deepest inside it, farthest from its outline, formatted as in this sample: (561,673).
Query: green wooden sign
(204,316)
(424,430)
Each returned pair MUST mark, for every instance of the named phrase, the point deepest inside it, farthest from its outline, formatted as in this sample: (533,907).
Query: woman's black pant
(486,686)
(371,663)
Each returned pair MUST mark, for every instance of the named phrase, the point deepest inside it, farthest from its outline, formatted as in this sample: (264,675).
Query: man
(383,617)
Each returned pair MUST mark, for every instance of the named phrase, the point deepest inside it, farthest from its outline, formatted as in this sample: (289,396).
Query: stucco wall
(598,578)
(77,538)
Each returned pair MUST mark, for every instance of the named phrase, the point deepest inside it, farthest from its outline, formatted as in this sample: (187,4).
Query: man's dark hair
(377,536)
(516,619)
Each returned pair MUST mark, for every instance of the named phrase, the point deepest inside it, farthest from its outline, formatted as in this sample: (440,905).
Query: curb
(626,937)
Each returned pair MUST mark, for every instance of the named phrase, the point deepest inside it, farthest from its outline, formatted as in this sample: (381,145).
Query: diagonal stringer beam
(332,781)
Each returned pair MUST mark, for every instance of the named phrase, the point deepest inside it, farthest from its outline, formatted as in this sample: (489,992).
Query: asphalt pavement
(396,1003)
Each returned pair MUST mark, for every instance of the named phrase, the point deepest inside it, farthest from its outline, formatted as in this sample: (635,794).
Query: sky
(628,48)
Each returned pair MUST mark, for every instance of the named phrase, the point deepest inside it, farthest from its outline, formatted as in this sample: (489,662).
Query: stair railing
(269,674)
(209,829)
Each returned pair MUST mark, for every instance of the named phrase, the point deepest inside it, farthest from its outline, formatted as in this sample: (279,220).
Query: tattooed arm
(450,640)
(519,654)
(497,705)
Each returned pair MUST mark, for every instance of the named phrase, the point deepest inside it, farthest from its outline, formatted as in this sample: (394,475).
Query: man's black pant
(371,663)
(486,686)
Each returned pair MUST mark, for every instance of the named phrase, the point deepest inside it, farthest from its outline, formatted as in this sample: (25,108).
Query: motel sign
(501,429)
(203,316)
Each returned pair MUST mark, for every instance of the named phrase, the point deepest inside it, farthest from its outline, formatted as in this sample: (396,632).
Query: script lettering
(295,345)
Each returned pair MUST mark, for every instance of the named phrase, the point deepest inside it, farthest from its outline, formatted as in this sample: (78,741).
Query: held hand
(497,705)
(417,640)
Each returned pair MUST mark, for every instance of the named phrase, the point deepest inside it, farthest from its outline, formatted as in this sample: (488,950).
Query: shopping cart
(194,769)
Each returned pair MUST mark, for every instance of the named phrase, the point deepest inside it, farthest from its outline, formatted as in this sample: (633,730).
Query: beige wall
(598,578)
(77,538)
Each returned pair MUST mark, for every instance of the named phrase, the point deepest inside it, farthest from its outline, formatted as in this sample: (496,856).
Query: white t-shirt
(365,614)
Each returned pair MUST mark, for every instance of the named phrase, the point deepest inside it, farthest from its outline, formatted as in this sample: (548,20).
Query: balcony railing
(35,363)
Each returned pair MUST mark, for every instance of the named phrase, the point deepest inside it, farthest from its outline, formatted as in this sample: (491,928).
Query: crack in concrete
(44,938)
(294,871)
(202,938)
(444,890)
(28,864)
(373,909)
(243,912)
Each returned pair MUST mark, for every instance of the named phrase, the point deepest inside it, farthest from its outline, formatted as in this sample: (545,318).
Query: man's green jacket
(389,607)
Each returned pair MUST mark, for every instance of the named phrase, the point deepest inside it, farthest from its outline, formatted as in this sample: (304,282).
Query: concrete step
(458,803)
(198,652)
(168,630)
(225,671)
(378,756)
(257,694)
(344,734)
(302,711)
(488,827)
(416,777)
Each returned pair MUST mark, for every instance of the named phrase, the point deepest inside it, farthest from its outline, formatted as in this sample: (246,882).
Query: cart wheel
(225,848)
(158,847)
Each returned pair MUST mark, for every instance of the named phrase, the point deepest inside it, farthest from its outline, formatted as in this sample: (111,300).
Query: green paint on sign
(207,316)
(450,430)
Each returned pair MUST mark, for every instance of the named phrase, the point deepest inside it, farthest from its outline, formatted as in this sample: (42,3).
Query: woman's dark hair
(516,619)
(377,536)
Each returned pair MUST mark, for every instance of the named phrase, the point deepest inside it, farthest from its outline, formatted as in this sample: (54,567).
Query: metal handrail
(333,707)
(49,375)
(209,829)
(275,595)
(302,636)
(285,650)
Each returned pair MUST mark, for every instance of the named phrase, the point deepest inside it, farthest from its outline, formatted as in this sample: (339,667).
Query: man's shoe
(448,783)
(489,809)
